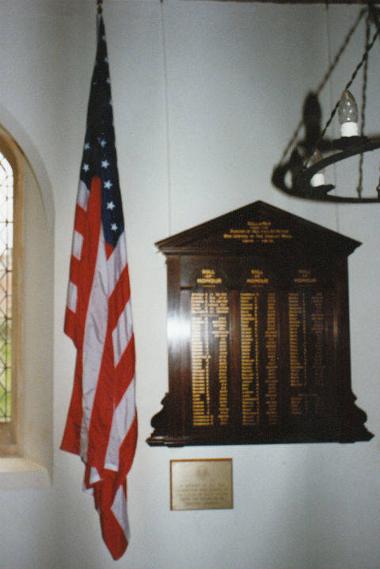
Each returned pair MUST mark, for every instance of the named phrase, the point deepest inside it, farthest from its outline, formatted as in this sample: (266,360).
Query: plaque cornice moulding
(199,238)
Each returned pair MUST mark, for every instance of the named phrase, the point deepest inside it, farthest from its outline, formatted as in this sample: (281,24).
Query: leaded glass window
(6,262)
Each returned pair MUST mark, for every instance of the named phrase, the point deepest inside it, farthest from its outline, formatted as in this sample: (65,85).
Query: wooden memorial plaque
(258,332)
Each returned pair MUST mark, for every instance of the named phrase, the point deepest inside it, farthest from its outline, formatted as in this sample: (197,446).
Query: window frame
(10,433)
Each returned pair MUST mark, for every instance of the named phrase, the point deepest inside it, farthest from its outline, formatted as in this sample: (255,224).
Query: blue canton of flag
(99,154)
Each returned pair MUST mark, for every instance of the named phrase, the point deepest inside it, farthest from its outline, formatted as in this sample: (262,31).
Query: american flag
(101,425)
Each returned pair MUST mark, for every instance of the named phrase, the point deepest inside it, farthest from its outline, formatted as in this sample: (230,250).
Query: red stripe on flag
(109,250)
(127,451)
(119,297)
(113,534)
(89,252)
(71,436)
(125,370)
(102,410)
(70,322)
(75,322)
(80,223)
(75,270)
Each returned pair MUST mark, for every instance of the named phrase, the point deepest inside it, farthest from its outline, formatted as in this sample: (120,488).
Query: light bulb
(348,115)
(319,178)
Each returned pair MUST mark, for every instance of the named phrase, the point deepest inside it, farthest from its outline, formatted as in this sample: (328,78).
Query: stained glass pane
(6,248)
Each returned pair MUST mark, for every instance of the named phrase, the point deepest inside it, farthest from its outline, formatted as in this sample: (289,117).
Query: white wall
(237,76)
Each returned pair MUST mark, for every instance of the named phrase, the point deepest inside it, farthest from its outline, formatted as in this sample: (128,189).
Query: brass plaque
(204,484)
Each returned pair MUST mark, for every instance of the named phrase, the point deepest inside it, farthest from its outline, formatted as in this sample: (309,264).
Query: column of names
(200,361)
(271,379)
(250,358)
(209,358)
(298,351)
(306,342)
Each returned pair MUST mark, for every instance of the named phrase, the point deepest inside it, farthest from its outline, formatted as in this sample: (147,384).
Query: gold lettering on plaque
(258,232)
(317,328)
(259,352)
(305,277)
(250,357)
(200,360)
(201,484)
(297,339)
(306,337)
(257,278)
(208,278)
(209,357)
(271,380)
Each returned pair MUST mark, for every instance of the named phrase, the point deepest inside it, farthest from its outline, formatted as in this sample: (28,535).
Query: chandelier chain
(363,108)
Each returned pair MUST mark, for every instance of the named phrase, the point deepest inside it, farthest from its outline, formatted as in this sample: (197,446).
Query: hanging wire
(330,94)
(364,106)
(325,78)
(167,116)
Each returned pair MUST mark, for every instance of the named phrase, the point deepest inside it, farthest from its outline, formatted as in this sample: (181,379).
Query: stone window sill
(21,473)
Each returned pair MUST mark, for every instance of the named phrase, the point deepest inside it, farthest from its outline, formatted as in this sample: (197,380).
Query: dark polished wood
(258,333)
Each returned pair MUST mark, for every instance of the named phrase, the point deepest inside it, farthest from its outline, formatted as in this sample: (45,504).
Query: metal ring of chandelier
(345,148)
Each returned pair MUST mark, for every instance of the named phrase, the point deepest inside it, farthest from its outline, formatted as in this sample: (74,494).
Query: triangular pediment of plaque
(255,228)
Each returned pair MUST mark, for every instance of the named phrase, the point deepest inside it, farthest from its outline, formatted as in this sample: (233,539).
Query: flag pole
(99,15)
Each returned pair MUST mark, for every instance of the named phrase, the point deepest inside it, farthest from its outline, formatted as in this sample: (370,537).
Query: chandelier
(311,156)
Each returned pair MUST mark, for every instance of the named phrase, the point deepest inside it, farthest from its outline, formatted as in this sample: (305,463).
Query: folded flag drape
(101,424)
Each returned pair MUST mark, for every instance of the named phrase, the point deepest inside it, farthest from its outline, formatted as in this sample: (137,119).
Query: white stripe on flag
(83,195)
(72,296)
(121,423)
(116,263)
(77,245)
(93,342)
(94,475)
(119,510)
(122,333)
(86,490)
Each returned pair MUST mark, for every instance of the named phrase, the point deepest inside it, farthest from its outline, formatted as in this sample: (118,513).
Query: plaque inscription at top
(258,333)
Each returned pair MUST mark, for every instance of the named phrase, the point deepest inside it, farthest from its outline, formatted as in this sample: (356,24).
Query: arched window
(10,289)
(6,264)
(26,312)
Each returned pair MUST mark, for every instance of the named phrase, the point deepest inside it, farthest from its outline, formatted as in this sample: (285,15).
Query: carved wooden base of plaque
(347,429)
(258,333)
